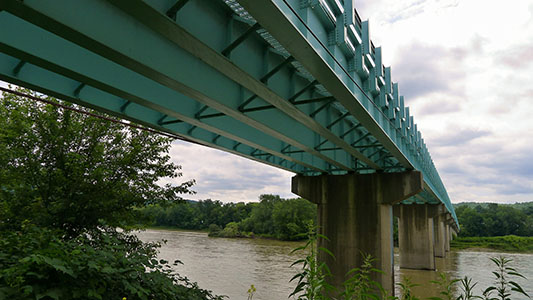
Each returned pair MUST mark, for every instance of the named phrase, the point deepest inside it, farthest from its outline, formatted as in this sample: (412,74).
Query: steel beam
(87,61)
(65,88)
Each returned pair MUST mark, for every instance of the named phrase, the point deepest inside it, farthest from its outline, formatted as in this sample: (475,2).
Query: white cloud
(466,69)
(227,177)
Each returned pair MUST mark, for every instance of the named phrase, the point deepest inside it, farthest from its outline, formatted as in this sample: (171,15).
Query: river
(230,266)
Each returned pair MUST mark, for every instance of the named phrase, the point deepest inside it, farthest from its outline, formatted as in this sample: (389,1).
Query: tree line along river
(230,266)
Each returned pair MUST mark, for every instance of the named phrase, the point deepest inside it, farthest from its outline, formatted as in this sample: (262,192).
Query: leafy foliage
(312,281)
(37,263)
(495,220)
(504,285)
(67,181)
(360,285)
(72,171)
(273,216)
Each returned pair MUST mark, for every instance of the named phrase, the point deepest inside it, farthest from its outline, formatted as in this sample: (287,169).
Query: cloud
(485,166)
(437,105)
(407,11)
(424,69)
(456,137)
(518,57)
(227,177)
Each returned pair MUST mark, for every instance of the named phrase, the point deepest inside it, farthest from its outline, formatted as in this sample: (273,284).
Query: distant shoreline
(509,244)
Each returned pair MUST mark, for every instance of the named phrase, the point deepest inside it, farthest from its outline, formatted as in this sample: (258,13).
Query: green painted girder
(62,87)
(319,34)
(182,81)
(168,109)
(322,101)
(123,82)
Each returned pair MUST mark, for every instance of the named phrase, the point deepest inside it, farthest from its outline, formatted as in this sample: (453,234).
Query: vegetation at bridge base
(312,280)
(67,181)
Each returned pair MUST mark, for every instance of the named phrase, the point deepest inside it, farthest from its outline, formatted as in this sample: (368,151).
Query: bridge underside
(258,80)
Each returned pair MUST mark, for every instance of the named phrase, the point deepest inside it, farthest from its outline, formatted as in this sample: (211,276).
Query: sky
(466,71)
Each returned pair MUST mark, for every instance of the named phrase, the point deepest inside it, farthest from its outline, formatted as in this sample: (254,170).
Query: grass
(509,243)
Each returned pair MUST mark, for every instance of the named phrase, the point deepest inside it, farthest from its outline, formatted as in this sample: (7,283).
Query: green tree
(67,181)
(292,218)
(72,171)
(260,220)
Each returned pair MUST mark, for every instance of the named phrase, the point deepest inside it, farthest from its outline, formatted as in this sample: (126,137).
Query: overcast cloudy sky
(465,69)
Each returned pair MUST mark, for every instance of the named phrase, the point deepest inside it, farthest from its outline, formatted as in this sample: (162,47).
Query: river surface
(229,266)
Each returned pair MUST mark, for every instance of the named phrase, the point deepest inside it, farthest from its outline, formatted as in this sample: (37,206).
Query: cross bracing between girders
(233,45)
(227,83)
(312,136)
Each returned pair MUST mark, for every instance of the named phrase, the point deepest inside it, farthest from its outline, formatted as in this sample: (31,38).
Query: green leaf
(517,288)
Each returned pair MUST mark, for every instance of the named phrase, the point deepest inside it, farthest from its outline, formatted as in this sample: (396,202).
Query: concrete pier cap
(355,214)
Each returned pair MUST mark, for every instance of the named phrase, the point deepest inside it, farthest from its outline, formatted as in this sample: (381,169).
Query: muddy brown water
(230,266)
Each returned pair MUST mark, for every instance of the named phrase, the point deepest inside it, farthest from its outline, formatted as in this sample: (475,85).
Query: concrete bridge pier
(448,232)
(416,236)
(355,214)
(439,223)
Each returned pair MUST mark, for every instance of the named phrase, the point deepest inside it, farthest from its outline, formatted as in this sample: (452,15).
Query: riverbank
(508,243)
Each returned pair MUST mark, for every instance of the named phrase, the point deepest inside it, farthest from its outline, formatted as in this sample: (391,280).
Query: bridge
(295,84)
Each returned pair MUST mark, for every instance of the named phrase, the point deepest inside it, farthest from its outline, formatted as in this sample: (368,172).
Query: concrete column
(447,240)
(355,214)
(453,233)
(415,233)
(439,222)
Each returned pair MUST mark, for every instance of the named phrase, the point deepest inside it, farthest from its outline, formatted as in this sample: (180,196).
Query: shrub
(37,263)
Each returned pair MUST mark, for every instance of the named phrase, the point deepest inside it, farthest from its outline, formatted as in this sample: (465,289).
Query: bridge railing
(337,34)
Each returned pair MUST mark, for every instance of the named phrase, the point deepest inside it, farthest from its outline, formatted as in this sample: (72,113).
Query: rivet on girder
(18,67)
